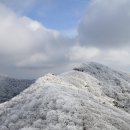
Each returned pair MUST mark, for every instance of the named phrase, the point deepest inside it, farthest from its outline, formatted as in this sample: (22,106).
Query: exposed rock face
(75,100)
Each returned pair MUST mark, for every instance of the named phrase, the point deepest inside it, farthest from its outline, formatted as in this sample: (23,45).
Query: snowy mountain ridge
(116,84)
(74,100)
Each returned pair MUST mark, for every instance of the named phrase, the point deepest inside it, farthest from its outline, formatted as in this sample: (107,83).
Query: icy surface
(10,87)
(75,100)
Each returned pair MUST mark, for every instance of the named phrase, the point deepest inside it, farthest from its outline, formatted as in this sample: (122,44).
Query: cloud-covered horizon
(28,49)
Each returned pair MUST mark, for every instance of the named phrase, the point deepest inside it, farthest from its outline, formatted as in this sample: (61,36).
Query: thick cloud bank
(29,49)
(26,43)
(106,24)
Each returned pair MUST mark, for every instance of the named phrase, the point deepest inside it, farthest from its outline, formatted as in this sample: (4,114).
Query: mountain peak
(91,65)
(75,100)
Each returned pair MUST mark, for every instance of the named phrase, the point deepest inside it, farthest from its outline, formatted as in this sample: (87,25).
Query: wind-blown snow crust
(81,99)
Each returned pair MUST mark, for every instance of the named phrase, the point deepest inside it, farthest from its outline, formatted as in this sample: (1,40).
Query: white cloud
(119,56)
(115,58)
(27,43)
(22,34)
(33,60)
(106,27)
(106,23)
(78,53)
(27,48)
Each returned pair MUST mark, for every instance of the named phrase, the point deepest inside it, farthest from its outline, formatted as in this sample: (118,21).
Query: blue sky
(55,14)
(61,15)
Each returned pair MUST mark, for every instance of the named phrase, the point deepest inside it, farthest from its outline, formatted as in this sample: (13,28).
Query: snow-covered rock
(10,87)
(71,101)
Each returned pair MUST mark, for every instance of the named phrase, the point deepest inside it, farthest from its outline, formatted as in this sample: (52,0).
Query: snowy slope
(71,101)
(10,87)
(104,73)
(115,84)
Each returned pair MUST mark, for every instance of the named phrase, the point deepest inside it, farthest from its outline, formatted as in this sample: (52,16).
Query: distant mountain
(10,87)
(86,98)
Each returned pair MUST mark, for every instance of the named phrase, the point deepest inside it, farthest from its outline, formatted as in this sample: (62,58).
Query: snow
(83,81)
(75,100)
(115,84)
(10,87)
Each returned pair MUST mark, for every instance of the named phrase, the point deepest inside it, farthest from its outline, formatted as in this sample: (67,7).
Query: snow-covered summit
(71,101)
(102,72)
(115,84)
